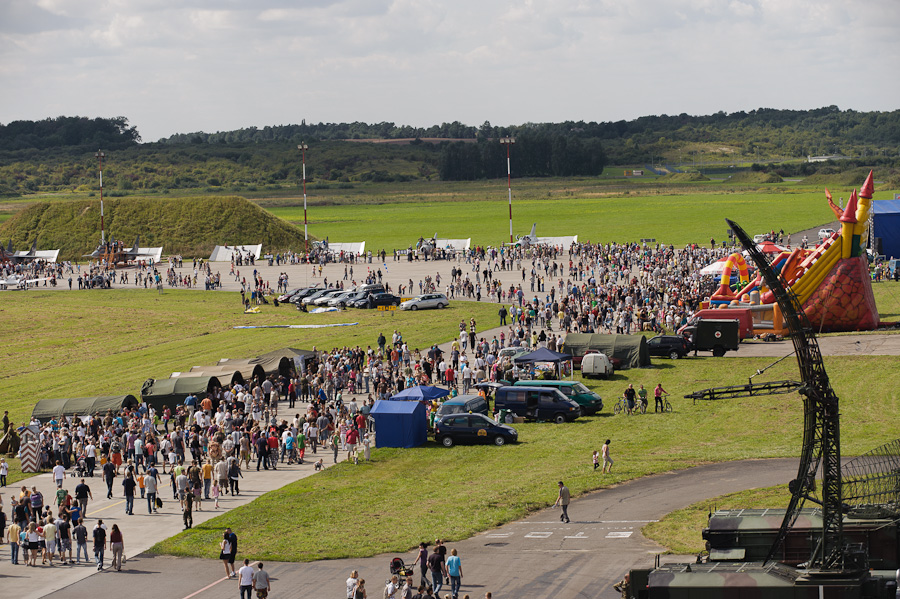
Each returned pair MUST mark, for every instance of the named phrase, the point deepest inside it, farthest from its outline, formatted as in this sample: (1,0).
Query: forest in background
(57,154)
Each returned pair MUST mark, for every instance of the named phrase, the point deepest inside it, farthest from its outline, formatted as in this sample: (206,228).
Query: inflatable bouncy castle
(831,281)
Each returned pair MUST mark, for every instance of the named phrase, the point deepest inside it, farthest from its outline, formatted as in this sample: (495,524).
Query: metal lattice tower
(821,422)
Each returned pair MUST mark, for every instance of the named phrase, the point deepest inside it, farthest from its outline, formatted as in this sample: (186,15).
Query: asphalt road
(538,556)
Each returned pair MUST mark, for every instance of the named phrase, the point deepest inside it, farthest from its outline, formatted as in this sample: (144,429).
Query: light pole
(508,141)
(303,148)
(100,156)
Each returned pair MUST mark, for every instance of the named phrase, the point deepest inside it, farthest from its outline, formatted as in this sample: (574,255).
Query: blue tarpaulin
(421,392)
(886,225)
(399,423)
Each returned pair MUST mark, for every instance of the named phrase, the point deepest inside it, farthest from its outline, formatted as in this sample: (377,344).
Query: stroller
(401,569)
(81,469)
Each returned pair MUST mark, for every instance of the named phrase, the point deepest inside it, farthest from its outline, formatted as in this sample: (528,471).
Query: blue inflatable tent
(886,225)
(399,423)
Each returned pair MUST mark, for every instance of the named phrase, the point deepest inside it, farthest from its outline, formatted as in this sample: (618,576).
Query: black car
(464,404)
(377,299)
(472,428)
(674,346)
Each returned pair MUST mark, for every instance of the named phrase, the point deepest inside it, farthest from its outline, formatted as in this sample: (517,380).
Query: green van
(590,402)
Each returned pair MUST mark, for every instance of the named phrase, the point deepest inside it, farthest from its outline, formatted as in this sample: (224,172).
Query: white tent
(453,244)
(224,253)
(355,247)
(563,241)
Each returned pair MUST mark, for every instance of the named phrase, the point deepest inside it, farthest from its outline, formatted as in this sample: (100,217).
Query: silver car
(426,300)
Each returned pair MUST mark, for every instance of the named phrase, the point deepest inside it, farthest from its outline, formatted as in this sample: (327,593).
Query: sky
(180,66)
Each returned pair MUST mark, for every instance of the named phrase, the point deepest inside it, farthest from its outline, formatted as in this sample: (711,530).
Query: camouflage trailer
(748,534)
(754,580)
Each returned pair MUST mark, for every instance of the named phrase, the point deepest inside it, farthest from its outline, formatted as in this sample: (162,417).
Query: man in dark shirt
(82,492)
(262,452)
(437,567)
(109,473)
(99,543)
(81,535)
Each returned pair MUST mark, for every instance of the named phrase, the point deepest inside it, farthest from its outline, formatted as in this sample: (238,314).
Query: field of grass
(677,218)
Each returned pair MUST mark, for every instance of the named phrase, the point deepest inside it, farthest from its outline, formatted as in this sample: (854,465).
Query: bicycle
(639,407)
(667,407)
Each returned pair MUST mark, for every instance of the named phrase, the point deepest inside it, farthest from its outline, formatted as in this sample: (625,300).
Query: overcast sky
(178,66)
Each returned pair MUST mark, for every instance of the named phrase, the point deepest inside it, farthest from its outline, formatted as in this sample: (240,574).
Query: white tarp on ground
(356,247)
(147,254)
(453,244)
(224,253)
(565,241)
(48,255)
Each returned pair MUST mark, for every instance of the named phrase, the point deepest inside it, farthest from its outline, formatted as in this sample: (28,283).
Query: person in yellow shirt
(207,472)
(12,535)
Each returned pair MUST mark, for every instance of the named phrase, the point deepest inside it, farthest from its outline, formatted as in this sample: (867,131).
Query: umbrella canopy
(769,247)
(715,269)
(421,393)
(542,355)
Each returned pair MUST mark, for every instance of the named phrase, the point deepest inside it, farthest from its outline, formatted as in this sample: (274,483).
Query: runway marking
(209,586)
(497,535)
(620,534)
(538,535)
(580,535)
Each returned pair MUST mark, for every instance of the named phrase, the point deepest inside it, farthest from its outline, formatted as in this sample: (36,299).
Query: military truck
(716,335)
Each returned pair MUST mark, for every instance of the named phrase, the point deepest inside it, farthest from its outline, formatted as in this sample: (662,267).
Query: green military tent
(82,406)
(159,393)
(630,350)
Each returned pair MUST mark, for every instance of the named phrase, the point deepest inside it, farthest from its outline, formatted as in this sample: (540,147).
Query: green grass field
(677,219)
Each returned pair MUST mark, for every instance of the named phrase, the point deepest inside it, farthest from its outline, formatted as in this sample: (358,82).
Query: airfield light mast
(303,148)
(508,141)
(100,156)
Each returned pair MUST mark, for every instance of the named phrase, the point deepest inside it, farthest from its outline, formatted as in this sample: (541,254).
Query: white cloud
(175,66)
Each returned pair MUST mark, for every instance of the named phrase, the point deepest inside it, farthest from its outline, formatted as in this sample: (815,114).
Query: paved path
(535,557)
(140,531)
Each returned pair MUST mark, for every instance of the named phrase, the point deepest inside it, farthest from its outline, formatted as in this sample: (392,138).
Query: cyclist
(658,394)
(642,397)
(629,399)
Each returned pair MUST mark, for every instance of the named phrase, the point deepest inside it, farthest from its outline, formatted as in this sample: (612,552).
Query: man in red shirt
(361,422)
(273,450)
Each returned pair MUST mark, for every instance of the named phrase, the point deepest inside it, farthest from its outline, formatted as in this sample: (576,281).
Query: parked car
(587,400)
(472,428)
(323,299)
(426,300)
(378,299)
(536,403)
(464,404)
(674,346)
(286,297)
(512,352)
(596,364)
(825,233)
(314,295)
(342,299)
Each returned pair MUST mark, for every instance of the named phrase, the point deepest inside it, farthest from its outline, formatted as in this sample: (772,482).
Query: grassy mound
(754,177)
(190,226)
(686,177)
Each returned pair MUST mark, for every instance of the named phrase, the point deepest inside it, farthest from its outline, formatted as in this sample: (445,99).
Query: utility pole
(100,156)
(303,147)
(508,141)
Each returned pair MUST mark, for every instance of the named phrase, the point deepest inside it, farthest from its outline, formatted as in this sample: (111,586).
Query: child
(596,459)
(215,491)
(319,465)
(141,484)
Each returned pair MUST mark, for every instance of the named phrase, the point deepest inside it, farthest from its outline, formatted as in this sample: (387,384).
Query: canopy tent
(400,423)
(83,406)
(297,357)
(236,378)
(224,253)
(453,244)
(886,226)
(225,368)
(160,393)
(352,247)
(421,393)
(542,355)
(630,350)
(715,269)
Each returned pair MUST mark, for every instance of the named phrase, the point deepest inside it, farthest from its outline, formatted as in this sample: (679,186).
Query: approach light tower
(508,141)
(303,148)
(100,156)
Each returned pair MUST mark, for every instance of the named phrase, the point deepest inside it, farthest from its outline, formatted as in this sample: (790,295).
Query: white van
(595,365)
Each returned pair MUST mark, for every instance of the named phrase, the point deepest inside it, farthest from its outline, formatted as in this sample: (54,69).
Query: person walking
(607,461)
(117,545)
(422,560)
(454,571)
(129,485)
(245,578)
(563,500)
(261,582)
(438,571)
(658,395)
(150,487)
(352,581)
(82,493)
(99,535)
(225,554)
(233,540)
